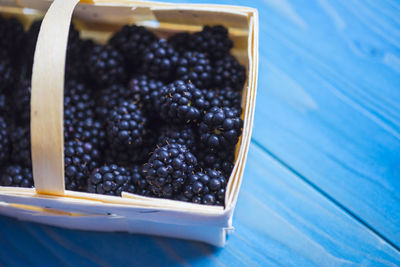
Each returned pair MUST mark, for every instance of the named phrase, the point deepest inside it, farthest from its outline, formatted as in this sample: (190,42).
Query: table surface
(321,184)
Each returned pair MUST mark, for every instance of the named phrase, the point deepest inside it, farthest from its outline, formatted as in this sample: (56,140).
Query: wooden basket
(48,202)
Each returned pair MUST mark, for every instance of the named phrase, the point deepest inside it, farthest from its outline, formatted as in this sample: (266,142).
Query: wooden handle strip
(47,99)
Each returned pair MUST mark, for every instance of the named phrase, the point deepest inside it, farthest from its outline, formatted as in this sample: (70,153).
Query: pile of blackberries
(150,116)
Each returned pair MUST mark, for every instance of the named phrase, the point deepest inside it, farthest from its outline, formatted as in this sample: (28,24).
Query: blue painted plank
(329,101)
(279,220)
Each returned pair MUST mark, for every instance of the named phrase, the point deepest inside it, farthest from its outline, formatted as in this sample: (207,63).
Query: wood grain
(47,99)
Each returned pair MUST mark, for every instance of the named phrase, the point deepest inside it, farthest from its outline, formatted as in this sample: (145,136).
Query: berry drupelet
(220,128)
(126,126)
(139,181)
(80,158)
(131,42)
(5,144)
(207,187)
(196,68)
(183,135)
(160,61)
(110,180)
(17,176)
(228,72)
(211,40)
(181,102)
(168,168)
(21,146)
(105,66)
(145,93)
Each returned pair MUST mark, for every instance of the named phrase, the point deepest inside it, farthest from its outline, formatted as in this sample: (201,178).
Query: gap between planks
(326,195)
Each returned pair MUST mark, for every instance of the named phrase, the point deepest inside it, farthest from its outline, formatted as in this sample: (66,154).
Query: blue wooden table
(322,180)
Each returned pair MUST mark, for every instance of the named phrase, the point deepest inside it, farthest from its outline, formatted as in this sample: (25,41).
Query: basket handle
(47,99)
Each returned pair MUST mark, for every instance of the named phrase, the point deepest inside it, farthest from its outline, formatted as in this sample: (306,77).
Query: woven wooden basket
(48,202)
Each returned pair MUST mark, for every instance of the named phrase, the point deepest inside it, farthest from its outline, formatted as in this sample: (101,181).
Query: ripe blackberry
(17,176)
(220,128)
(206,187)
(12,35)
(183,135)
(168,168)
(77,56)
(21,146)
(80,158)
(145,93)
(4,105)
(180,41)
(21,100)
(228,72)
(78,104)
(211,40)
(139,181)
(131,41)
(5,144)
(222,160)
(110,180)
(196,68)
(110,97)
(126,126)
(89,130)
(135,155)
(105,66)
(7,75)
(181,102)
(224,97)
(160,60)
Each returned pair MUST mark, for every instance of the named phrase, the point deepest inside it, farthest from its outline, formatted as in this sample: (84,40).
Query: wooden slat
(329,102)
(280,220)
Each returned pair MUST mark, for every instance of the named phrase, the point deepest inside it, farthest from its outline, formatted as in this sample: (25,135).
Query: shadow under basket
(48,202)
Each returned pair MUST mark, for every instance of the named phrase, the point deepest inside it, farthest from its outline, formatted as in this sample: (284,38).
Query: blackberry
(21,100)
(139,181)
(131,41)
(181,102)
(222,160)
(180,41)
(4,106)
(160,60)
(21,146)
(145,92)
(206,187)
(183,135)
(105,66)
(89,130)
(7,75)
(111,97)
(211,40)
(78,104)
(195,67)
(220,128)
(5,144)
(80,159)
(110,180)
(78,55)
(126,126)
(224,97)
(17,176)
(228,72)
(168,168)
(12,35)
(135,155)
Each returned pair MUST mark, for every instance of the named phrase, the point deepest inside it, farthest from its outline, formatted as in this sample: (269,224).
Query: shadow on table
(39,244)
